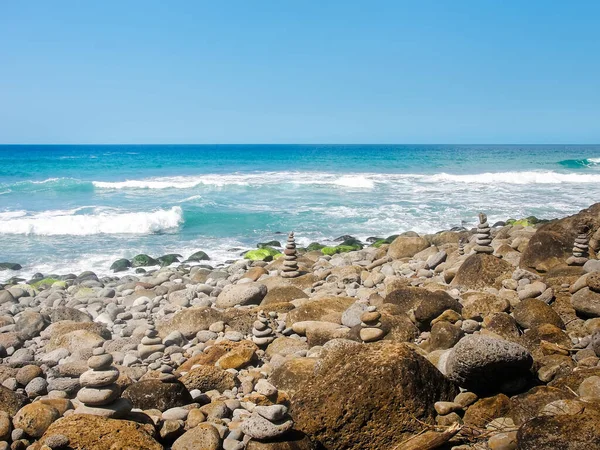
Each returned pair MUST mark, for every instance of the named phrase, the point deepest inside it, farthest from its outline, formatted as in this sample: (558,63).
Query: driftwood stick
(429,440)
(379,262)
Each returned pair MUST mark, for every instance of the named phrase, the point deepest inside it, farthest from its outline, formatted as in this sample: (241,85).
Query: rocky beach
(482,338)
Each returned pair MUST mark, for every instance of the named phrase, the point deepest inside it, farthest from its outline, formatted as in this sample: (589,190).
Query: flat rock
(241,294)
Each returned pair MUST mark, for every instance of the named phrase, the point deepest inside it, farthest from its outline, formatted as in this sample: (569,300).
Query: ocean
(70,208)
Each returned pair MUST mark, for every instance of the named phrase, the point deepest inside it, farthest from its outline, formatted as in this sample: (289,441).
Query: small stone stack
(461,247)
(99,394)
(267,422)
(151,343)
(370,330)
(580,247)
(290,263)
(483,237)
(262,333)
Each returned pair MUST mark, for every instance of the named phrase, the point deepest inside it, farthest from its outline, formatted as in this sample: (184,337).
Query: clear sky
(481,71)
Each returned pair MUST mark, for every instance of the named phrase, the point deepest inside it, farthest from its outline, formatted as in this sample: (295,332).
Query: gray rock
(241,294)
(586,302)
(351,317)
(436,259)
(257,427)
(272,413)
(29,324)
(593,265)
(67,313)
(36,387)
(482,363)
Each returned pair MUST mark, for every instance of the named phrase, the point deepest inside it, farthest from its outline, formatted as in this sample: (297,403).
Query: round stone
(100,362)
(370,317)
(259,325)
(98,378)
(98,351)
(371,334)
(151,340)
(98,396)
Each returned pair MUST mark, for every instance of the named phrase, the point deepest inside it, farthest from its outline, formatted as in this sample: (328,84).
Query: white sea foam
(58,222)
(355,181)
(531,177)
(190,199)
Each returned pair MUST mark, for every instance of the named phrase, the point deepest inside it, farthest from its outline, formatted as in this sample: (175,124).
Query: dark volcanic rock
(485,364)
(154,394)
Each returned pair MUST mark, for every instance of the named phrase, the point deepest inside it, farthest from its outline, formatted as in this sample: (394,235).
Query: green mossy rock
(167,260)
(120,265)
(262,254)
(47,282)
(143,260)
(198,256)
(314,246)
(352,242)
(268,244)
(339,249)
(378,243)
(10,266)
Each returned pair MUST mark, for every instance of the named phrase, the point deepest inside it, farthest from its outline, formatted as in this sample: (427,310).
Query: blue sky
(300,72)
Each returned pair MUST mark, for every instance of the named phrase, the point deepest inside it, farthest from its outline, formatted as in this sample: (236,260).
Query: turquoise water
(73,208)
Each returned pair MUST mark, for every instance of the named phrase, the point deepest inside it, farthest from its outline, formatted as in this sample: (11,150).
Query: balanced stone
(461,247)
(262,333)
(483,238)
(99,394)
(371,326)
(580,247)
(290,263)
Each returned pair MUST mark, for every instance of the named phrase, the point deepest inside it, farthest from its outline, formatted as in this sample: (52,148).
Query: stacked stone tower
(100,395)
(290,263)
(483,239)
(580,247)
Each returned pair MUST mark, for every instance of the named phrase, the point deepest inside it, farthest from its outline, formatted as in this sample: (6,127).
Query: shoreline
(269,351)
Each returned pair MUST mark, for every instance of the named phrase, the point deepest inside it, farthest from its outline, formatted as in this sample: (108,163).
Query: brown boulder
(533,312)
(189,321)
(35,418)
(427,305)
(369,397)
(546,249)
(407,246)
(477,305)
(292,374)
(207,378)
(484,410)
(480,270)
(10,401)
(326,309)
(281,294)
(84,432)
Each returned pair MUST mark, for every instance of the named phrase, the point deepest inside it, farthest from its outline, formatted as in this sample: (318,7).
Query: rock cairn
(151,343)
(580,247)
(370,330)
(461,247)
(100,395)
(290,263)
(262,332)
(483,239)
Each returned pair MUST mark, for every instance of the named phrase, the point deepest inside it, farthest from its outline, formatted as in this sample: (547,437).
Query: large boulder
(241,294)
(10,401)
(407,246)
(532,312)
(429,304)
(35,418)
(552,243)
(29,324)
(208,378)
(280,294)
(154,394)
(486,364)
(84,432)
(326,309)
(480,270)
(586,302)
(202,437)
(189,321)
(369,397)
